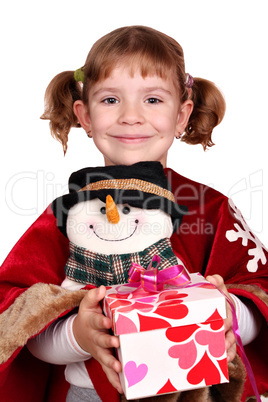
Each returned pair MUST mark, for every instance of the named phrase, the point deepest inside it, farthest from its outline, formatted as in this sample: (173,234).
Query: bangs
(145,62)
(137,48)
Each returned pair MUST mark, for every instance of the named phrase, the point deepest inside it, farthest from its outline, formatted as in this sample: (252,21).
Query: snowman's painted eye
(126,210)
(103,210)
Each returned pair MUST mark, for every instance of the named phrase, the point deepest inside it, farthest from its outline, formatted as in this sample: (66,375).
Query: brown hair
(152,52)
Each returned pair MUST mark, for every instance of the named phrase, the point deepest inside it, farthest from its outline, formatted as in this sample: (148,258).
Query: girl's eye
(103,210)
(153,100)
(126,210)
(110,101)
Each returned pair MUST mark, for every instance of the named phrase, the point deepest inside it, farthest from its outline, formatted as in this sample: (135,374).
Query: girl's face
(133,119)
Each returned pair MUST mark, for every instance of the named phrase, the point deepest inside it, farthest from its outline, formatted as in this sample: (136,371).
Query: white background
(225,42)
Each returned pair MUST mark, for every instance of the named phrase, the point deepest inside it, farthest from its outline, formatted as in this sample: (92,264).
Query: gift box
(171,340)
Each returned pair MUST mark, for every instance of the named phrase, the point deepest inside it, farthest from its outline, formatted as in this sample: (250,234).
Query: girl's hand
(91,331)
(230,341)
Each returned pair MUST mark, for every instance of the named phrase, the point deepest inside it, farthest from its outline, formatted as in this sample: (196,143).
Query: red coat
(213,238)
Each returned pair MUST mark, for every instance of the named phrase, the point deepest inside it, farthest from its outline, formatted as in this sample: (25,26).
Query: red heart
(181,334)
(150,323)
(215,321)
(204,370)
(224,367)
(169,310)
(168,387)
(186,353)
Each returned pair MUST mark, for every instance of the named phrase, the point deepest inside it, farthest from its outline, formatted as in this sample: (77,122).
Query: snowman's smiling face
(125,210)
(88,227)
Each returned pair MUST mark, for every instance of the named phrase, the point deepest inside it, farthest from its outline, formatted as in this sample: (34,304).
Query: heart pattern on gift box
(151,323)
(168,387)
(120,304)
(149,299)
(186,353)
(171,295)
(215,321)
(204,370)
(214,341)
(224,367)
(134,373)
(178,311)
(180,334)
(124,325)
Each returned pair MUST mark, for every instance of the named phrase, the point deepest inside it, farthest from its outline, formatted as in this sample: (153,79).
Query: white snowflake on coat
(245,234)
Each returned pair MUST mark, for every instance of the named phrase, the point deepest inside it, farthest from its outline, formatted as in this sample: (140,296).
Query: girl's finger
(98,321)
(113,378)
(92,299)
(105,340)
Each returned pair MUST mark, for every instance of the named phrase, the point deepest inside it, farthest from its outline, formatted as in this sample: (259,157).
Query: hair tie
(189,82)
(79,75)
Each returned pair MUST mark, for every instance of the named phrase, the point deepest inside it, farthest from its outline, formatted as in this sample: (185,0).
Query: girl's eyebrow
(108,89)
(145,89)
(152,89)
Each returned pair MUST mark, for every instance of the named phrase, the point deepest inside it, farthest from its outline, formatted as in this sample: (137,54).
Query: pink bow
(153,280)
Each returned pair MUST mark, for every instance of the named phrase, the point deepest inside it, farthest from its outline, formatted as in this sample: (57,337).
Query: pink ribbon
(153,280)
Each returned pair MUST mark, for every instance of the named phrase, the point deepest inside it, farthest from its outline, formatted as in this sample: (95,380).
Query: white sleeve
(249,320)
(57,344)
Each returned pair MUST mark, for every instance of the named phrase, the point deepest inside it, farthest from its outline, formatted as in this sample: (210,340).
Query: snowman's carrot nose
(111,210)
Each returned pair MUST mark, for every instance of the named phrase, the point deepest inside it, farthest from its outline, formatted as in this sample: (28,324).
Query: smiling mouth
(124,238)
(132,138)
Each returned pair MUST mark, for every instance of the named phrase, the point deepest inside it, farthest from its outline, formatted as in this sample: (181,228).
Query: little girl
(132,97)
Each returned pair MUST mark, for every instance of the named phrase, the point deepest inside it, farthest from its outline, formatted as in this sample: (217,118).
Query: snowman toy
(114,216)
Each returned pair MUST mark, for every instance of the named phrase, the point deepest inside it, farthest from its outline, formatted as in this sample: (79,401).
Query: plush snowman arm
(57,344)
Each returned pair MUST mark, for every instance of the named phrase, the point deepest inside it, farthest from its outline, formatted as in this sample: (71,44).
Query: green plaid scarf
(87,267)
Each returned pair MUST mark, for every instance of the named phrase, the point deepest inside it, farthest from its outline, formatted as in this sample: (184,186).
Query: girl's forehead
(134,66)
(134,63)
(133,81)
(135,71)
(132,71)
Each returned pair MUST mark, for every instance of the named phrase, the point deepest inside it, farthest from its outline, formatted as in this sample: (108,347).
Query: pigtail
(208,112)
(60,96)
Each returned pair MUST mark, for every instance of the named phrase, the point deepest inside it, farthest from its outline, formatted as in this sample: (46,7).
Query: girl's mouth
(132,139)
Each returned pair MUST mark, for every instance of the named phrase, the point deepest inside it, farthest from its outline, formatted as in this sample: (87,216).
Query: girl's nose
(131,114)
(111,210)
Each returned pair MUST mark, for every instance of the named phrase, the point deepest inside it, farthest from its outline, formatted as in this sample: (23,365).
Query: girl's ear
(184,115)
(81,112)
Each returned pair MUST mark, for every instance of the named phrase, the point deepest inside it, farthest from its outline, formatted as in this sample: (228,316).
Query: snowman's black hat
(142,185)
